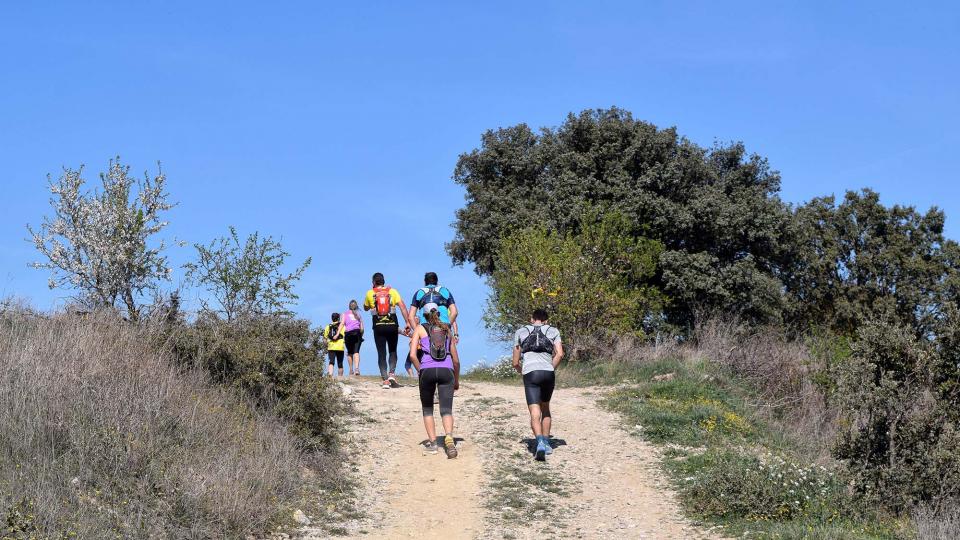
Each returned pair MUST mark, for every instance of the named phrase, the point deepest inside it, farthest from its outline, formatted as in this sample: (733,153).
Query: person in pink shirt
(351,327)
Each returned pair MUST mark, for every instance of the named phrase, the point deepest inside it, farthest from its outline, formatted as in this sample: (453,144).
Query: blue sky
(298,119)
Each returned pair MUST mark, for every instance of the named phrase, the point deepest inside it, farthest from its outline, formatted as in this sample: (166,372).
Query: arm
(516,358)
(557,354)
(456,364)
(414,347)
(412,313)
(406,316)
(456,332)
(340,329)
(452,309)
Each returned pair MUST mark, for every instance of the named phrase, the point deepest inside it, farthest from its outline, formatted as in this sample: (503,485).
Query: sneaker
(547,446)
(429,448)
(450,447)
(541,454)
(386,384)
(393,382)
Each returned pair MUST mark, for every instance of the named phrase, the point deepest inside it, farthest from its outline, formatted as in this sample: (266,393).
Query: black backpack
(439,341)
(431,294)
(536,341)
(332,331)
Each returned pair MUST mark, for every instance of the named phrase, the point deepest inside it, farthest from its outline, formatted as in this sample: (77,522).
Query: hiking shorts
(336,356)
(538,386)
(352,340)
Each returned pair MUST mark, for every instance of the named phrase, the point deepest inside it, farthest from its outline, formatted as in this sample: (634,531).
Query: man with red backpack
(383,300)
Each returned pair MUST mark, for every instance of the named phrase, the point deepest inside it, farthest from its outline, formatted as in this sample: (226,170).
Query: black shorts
(352,341)
(538,386)
(438,381)
(336,356)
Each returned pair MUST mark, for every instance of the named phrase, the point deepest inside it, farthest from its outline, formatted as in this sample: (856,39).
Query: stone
(663,377)
(301,518)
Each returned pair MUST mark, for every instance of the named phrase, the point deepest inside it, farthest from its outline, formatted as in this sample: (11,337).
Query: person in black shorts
(537,351)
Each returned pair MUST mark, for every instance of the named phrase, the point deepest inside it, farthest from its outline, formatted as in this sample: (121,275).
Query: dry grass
(782,374)
(937,525)
(100,436)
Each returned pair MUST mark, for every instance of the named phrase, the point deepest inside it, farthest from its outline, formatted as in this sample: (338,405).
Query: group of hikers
(431,324)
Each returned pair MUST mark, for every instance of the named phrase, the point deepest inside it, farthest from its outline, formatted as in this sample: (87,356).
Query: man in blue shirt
(432,295)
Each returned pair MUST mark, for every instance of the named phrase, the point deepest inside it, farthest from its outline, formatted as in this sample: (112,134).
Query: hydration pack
(382,300)
(431,295)
(439,341)
(332,331)
(536,341)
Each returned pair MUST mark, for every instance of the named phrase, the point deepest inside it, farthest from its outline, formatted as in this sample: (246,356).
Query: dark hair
(430,278)
(540,314)
(378,279)
(334,317)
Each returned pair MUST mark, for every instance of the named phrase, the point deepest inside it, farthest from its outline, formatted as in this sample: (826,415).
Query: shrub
(725,483)
(275,360)
(102,436)
(592,283)
(502,370)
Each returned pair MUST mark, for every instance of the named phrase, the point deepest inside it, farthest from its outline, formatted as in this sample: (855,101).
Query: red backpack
(382,300)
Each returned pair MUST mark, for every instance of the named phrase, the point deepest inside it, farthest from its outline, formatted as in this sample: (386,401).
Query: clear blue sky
(299,119)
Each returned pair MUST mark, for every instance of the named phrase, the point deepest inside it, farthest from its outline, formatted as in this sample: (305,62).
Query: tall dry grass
(100,436)
(782,374)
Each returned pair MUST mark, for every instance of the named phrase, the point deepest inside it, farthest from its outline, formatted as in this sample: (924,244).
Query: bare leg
(330,370)
(546,421)
(447,424)
(340,372)
(535,420)
(431,427)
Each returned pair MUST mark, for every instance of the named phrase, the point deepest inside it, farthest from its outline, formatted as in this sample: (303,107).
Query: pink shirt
(350,321)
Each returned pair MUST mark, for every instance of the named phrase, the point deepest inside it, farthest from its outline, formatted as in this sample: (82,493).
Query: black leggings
(386,336)
(538,386)
(432,380)
(336,355)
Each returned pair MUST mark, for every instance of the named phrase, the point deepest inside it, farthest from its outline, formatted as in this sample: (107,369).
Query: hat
(430,306)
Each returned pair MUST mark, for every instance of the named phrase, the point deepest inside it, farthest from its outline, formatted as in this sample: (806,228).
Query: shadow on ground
(532,443)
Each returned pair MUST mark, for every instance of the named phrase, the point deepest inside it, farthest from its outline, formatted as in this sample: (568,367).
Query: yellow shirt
(370,302)
(332,345)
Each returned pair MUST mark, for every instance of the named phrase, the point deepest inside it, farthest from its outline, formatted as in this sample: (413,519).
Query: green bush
(592,283)
(275,361)
(500,371)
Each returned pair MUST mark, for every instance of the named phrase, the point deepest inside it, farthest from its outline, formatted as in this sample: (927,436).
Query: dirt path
(599,482)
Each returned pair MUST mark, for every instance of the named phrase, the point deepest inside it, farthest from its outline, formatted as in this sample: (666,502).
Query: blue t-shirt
(437,294)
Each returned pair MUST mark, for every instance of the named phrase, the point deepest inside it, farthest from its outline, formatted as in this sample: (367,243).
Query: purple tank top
(428,361)
(350,321)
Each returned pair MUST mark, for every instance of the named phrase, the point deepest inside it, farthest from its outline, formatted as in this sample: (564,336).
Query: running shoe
(547,446)
(393,383)
(386,384)
(450,447)
(429,447)
(541,454)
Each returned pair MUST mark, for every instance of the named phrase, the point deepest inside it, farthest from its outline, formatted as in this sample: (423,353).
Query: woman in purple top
(351,328)
(439,368)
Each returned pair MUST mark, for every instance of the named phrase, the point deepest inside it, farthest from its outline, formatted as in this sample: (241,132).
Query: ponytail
(433,317)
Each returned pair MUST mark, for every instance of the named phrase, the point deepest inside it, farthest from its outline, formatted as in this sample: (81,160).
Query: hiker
(538,346)
(383,301)
(333,333)
(351,325)
(433,295)
(439,367)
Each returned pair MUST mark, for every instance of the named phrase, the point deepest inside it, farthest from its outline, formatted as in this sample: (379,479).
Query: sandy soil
(599,482)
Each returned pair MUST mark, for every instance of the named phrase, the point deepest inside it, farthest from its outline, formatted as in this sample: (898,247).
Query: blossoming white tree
(98,242)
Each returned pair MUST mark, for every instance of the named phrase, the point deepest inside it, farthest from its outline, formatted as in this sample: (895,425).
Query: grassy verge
(103,436)
(729,467)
